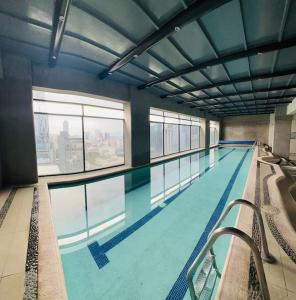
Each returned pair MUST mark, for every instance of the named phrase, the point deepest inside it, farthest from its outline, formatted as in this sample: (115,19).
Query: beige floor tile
(274,274)
(16,258)
(12,287)
(277,292)
(5,246)
(18,216)
(291,296)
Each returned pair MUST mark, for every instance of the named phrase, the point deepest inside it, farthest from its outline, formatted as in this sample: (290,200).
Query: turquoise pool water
(134,235)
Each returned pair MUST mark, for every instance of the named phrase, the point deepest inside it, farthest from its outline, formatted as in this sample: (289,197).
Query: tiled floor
(14,234)
(280,276)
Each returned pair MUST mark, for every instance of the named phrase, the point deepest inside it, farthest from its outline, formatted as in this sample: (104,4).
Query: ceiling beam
(280,88)
(248,106)
(248,113)
(194,11)
(236,80)
(254,106)
(59,23)
(249,100)
(224,59)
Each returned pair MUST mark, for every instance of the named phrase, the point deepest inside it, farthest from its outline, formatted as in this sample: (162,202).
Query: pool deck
(16,209)
(237,280)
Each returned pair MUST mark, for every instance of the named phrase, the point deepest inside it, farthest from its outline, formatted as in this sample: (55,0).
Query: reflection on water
(100,209)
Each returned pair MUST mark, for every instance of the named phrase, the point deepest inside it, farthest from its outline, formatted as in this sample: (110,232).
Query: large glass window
(195,134)
(58,144)
(214,133)
(103,143)
(172,133)
(171,138)
(75,137)
(184,137)
(156,139)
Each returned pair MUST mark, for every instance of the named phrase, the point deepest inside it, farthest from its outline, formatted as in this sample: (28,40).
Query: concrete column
(16,123)
(282,131)
(140,128)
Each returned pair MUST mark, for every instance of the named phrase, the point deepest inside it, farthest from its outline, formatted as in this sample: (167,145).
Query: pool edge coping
(238,255)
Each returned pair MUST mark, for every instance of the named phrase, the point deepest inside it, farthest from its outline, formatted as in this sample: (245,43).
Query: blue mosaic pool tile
(99,256)
(180,287)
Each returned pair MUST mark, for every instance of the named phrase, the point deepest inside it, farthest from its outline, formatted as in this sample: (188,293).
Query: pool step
(206,279)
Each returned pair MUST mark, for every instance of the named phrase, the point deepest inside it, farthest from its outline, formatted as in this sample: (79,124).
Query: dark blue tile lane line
(99,251)
(180,287)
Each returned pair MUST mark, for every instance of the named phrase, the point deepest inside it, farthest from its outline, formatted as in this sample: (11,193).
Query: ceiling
(226,57)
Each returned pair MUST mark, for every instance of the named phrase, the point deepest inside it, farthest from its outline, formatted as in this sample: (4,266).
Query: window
(171,138)
(156,139)
(195,137)
(184,137)
(103,143)
(214,134)
(172,133)
(58,144)
(73,136)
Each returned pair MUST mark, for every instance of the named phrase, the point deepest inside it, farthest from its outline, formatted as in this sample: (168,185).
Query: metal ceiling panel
(243,86)
(290,29)
(197,78)
(212,92)
(181,83)
(168,53)
(275,94)
(262,63)
(79,47)
(151,63)
(137,72)
(286,59)
(216,73)
(90,27)
(23,31)
(194,43)
(261,95)
(161,11)
(280,81)
(290,92)
(229,88)
(220,22)
(199,94)
(262,20)
(167,86)
(260,83)
(41,11)
(238,68)
(125,16)
(79,63)
(234,98)
(247,96)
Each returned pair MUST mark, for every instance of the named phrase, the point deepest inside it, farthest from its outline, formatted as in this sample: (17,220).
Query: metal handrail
(266,256)
(248,240)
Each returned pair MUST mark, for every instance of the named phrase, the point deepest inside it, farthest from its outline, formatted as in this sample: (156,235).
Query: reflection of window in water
(195,167)
(212,157)
(105,202)
(157,183)
(185,172)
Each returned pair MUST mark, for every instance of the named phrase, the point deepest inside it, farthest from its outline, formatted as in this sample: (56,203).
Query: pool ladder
(202,287)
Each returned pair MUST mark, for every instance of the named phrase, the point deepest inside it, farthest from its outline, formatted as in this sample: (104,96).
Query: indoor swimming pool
(134,235)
